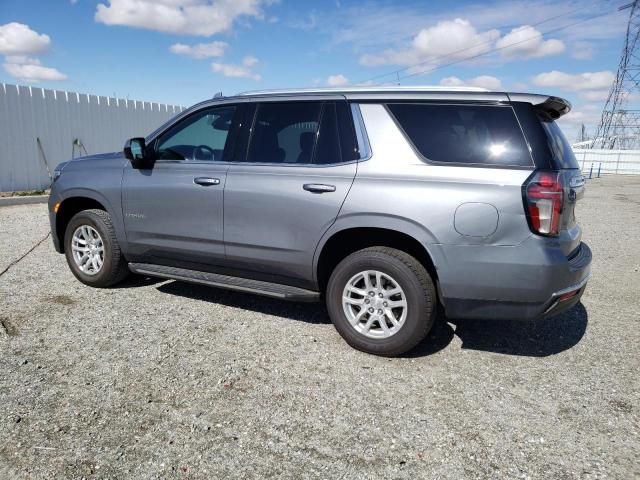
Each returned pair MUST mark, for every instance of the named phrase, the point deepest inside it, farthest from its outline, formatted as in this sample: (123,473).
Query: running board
(268,289)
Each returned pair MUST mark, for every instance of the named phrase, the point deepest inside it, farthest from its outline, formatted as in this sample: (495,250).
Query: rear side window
(464,134)
(328,148)
(304,133)
(560,148)
(284,132)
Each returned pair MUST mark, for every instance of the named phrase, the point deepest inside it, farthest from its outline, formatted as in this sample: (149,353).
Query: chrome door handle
(319,188)
(206,181)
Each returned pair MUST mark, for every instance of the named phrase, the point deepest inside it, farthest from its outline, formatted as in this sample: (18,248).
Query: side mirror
(136,151)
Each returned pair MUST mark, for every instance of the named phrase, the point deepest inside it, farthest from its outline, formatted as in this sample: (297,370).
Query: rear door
(286,188)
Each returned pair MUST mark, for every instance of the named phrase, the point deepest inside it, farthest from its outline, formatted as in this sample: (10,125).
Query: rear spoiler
(551,107)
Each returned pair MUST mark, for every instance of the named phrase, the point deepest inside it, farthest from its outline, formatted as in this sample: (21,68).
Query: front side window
(285,132)
(467,134)
(200,137)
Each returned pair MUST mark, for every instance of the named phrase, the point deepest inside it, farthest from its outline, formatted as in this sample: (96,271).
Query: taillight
(543,196)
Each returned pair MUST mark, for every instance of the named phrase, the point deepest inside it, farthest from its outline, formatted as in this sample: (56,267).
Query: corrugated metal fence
(608,161)
(40,128)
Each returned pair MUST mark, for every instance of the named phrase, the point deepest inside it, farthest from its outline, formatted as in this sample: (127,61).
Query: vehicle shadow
(304,312)
(136,281)
(539,338)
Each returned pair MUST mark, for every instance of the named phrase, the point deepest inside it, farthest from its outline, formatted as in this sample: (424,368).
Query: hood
(101,156)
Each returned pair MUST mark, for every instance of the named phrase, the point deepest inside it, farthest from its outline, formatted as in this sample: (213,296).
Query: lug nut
(371,310)
(379,311)
(371,294)
(366,300)
(385,304)
(380,295)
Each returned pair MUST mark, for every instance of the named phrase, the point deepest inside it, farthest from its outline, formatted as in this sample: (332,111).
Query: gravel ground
(159,379)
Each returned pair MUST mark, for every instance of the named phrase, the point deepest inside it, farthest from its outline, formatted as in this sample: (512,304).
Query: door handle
(319,188)
(206,181)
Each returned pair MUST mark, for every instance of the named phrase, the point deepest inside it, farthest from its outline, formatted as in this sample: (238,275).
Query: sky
(184,51)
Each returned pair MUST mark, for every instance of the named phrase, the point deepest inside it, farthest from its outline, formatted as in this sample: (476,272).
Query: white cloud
(482,81)
(244,70)
(31,70)
(373,29)
(184,17)
(18,44)
(527,42)
(587,114)
(19,39)
(338,80)
(592,86)
(200,50)
(571,123)
(456,39)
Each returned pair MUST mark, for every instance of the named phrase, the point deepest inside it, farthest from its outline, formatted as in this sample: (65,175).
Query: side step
(268,289)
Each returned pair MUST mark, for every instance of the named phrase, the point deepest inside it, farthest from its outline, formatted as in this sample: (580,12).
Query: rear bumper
(566,298)
(542,285)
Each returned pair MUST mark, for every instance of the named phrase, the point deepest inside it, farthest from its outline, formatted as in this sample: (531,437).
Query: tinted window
(559,146)
(360,148)
(200,137)
(328,149)
(470,134)
(284,132)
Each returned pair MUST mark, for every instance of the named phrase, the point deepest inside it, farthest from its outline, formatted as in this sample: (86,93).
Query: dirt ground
(160,379)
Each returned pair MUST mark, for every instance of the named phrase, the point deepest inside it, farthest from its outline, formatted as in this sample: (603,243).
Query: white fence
(608,161)
(41,128)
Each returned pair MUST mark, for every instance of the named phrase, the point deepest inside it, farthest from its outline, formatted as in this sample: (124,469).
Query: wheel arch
(342,240)
(72,204)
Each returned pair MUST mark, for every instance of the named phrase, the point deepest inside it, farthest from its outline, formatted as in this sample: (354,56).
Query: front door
(173,212)
(287,191)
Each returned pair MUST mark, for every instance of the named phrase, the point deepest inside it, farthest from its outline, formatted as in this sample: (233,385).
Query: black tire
(410,275)
(114,269)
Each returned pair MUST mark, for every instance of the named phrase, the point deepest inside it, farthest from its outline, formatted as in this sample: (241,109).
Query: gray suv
(388,203)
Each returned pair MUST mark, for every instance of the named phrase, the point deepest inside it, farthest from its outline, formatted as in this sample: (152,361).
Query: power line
(489,42)
(505,46)
(396,72)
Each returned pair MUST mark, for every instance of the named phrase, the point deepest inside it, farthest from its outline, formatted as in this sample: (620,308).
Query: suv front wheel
(92,249)
(381,300)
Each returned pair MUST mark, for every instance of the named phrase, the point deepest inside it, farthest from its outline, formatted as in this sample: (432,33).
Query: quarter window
(468,134)
(200,137)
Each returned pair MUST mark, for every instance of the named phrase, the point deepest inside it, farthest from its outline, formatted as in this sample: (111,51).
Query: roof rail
(364,88)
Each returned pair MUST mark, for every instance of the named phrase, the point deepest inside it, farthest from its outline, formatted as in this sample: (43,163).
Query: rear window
(467,134)
(560,148)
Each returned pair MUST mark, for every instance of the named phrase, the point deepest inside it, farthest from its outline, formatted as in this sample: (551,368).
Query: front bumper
(53,200)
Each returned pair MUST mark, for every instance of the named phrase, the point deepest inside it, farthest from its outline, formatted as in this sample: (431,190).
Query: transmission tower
(620,123)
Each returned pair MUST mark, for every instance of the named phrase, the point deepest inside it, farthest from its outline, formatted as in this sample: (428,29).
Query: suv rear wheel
(381,301)
(92,250)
